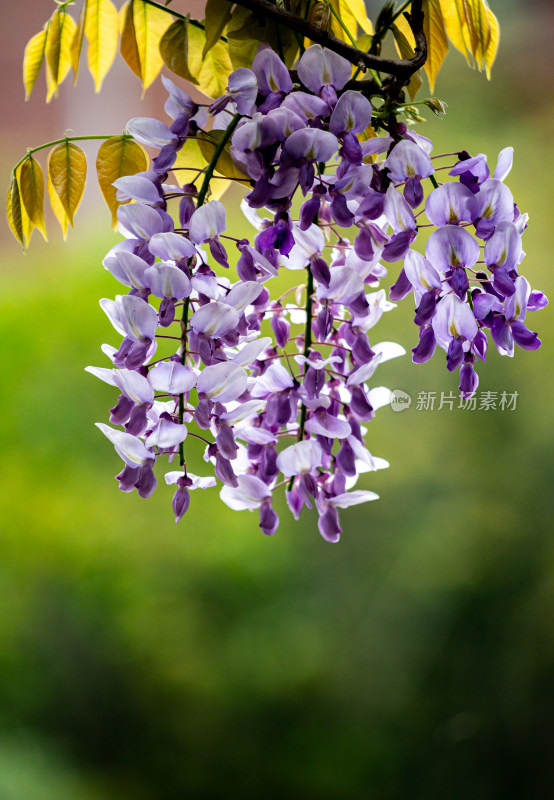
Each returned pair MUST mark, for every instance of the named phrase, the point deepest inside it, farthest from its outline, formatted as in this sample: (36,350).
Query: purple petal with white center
(166,434)
(307,106)
(271,74)
(223,382)
(243,88)
(454,319)
(197,481)
(249,494)
(171,246)
(129,448)
(243,294)
(207,285)
(251,351)
(133,385)
(242,411)
(496,202)
(128,268)
(312,143)
(275,379)
(139,221)
(352,498)
(477,165)
(344,284)
(166,280)
(364,372)
(207,222)
(324,424)
(214,319)
(300,458)
(504,163)
(451,204)
(451,246)
(516,305)
(279,124)
(178,95)
(408,160)
(397,211)
(134,187)
(420,272)
(376,145)
(149,131)
(320,67)
(139,319)
(484,303)
(171,377)
(503,249)
(352,113)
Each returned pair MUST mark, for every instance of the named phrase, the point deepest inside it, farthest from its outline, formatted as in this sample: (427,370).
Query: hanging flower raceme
(280,390)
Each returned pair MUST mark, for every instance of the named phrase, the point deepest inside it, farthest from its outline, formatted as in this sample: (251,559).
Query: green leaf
(437,41)
(150,24)
(31,187)
(212,72)
(67,172)
(102,32)
(174,49)
(32,60)
(218,14)
(59,39)
(117,157)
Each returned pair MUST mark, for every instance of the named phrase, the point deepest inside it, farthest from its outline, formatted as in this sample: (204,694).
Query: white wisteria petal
(249,494)
(131,449)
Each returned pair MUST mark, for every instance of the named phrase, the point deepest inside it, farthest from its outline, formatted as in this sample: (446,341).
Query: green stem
(341,23)
(194,22)
(307,338)
(213,163)
(201,198)
(434,181)
(32,150)
(185,322)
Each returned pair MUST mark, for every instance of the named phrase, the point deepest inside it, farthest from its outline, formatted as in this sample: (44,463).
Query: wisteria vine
(278,390)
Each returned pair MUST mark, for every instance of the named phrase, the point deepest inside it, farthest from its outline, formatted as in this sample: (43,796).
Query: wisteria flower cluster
(279,392)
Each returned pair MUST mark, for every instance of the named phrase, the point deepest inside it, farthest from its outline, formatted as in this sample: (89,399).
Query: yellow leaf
(31,187)
(174,49)
(67,172)
(225,164)
(241,51)
(437,43)
(77,43)
(59,39)
(480,26)
(102,32)
(218,14)
(348,21)
(150,24)
(212,72)
(455,25)
(490,53)
(18,220)
(358,11)
(404,27)
(57,208)
(32,60)
(117,157)
(128,46)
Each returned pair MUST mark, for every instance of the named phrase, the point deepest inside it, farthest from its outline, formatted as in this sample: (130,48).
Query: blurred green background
(140,660)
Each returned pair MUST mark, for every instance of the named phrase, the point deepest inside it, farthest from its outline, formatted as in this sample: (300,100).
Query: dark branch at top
(400,69)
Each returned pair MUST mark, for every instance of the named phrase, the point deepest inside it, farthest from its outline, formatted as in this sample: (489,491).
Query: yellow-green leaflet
(437,42)
(57,207)
(174,49)
(102,32)
(117,157)
(212,72)
(59,38)
(31,187)
(218,14)
(18,219)
(32,60)
(67,172)
(148,26)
